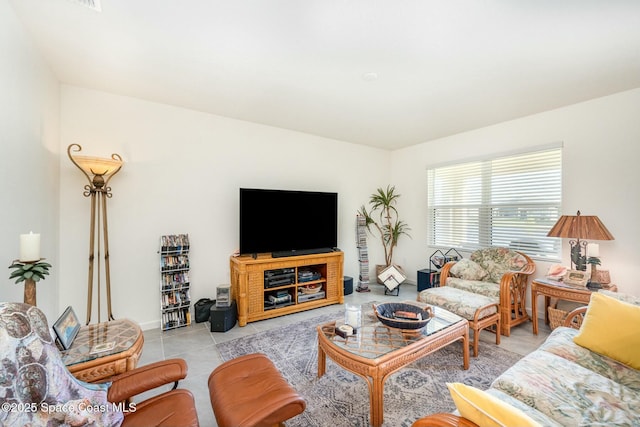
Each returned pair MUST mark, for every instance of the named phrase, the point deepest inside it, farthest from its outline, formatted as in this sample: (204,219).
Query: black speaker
(428,278)
(223,318)
(348,285)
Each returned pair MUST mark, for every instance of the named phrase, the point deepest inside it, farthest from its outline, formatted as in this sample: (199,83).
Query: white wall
(29,119)
(183,170)
(601,141)
(182,174)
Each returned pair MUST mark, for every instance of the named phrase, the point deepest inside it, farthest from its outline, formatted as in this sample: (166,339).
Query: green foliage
(593,260)
(383,215)
(29,270)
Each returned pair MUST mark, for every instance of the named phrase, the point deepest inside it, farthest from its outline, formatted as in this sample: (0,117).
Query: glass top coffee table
(376,351)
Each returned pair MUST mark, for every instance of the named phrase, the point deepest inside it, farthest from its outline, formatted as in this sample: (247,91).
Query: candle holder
(594,280)
(29,272)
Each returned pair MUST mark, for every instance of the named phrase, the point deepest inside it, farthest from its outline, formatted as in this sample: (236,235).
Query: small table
(377,351)
(89,366)
(552,288)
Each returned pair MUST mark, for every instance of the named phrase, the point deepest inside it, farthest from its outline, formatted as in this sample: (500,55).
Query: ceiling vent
(91,4)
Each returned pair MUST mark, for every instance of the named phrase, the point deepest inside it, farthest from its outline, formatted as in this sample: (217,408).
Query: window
(510,201)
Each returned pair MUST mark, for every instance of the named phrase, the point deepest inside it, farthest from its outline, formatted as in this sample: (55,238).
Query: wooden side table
(552,288)
(89,366)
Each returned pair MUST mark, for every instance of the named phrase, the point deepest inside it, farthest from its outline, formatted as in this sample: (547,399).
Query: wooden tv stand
(260,299)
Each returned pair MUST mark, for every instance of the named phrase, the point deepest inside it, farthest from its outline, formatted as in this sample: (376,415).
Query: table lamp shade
(580,227)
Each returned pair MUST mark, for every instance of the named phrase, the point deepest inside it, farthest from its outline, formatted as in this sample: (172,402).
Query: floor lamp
(98,171)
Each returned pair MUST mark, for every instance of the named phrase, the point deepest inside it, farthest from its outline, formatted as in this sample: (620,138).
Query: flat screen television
(287,223)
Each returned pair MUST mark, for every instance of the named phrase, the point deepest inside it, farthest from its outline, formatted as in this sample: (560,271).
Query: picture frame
(67,327)
(392,277)
(576,277)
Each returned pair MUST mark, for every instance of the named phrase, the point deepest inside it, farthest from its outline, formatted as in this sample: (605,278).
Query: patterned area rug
(341,398)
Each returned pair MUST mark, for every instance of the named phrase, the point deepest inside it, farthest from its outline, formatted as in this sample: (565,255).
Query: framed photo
(67,327)
(576,277)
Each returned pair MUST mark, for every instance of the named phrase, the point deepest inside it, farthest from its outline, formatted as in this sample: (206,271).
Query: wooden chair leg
(476,339)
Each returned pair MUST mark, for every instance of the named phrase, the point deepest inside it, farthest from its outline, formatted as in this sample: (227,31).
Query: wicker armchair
(575,317)
(508,272)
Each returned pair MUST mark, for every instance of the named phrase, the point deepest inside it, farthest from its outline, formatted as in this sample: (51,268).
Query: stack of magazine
(363,254)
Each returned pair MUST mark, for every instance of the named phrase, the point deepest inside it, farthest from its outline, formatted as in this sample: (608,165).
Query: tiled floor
(197,345)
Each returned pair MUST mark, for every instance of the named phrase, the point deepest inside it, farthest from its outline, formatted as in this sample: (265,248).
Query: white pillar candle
(593,250)
(352,315)
(29,247)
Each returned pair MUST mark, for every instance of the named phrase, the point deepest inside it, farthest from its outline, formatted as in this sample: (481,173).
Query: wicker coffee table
(377,351)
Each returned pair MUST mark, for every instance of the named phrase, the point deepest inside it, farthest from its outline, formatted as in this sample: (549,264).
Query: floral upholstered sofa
(577,377)
(497,273)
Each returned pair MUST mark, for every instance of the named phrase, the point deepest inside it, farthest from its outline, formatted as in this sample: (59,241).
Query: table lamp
(582,227)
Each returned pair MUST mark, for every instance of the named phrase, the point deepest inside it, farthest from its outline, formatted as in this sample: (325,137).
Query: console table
(552,288)
(123,340)
(259,297)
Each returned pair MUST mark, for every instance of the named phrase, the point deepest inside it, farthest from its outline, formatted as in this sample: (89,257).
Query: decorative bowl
(311,289)
(403,315)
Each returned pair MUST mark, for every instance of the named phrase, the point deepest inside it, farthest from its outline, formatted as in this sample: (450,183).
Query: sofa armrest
(144,378)
(444,272)
(443,420)
(575,317)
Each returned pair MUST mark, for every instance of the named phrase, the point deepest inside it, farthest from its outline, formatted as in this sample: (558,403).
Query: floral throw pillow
(468,270)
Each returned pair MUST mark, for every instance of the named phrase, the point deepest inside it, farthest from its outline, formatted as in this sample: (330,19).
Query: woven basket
(556,317)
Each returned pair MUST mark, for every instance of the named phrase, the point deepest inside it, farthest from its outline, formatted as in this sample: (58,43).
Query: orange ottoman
(250,391)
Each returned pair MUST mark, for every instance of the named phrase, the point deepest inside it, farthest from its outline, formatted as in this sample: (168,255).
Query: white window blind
(510,201)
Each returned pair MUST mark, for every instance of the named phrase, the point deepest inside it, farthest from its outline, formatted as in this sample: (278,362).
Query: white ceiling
(442,67)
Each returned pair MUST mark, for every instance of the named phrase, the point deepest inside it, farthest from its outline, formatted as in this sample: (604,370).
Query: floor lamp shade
(98,172)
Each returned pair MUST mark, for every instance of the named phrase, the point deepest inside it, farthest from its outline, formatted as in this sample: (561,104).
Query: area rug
(340,398)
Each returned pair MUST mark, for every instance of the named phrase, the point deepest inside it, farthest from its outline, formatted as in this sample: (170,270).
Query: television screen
(287,221)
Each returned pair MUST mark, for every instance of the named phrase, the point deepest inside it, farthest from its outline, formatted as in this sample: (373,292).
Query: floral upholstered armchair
(37,389)
(495,272)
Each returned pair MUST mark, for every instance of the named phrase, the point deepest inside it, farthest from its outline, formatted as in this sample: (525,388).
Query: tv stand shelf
(250,277)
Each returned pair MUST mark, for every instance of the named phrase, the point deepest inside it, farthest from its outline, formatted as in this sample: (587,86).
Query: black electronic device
(278,272)
(223,318)
(274,283)
(279,277)
(288,223)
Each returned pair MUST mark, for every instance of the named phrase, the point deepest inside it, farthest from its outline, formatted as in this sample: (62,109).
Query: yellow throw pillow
(610,328)
(485,409)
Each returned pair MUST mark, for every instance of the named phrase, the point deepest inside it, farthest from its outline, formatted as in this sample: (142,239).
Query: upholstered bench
(250,391)
(481,311)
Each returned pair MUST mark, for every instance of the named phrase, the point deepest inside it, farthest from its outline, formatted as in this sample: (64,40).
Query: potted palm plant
(382,219)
